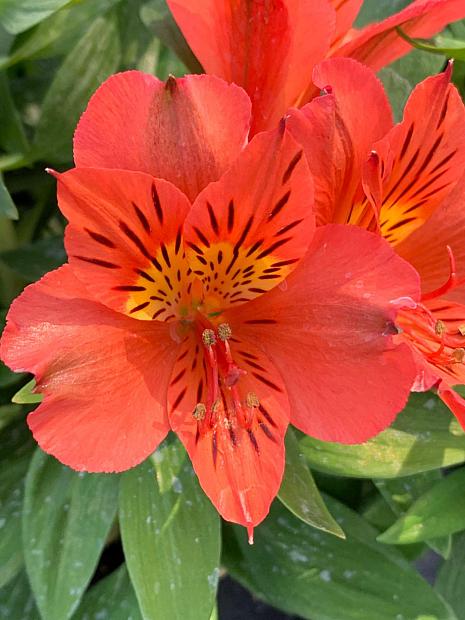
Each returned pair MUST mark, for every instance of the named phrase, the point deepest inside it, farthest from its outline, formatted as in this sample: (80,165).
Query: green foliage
(171,537)
(299,492)
(424,437)
(316,575)
(66,519)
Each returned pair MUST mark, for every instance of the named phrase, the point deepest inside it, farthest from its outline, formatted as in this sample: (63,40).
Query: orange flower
(269,47)
(406,182)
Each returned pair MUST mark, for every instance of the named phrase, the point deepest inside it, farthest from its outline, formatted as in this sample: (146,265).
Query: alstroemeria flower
(269,47)
(223,321)
(410,188)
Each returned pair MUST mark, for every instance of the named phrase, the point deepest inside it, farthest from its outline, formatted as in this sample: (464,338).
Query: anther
(459,355)
(440,328)
(199,411)
(462,329)
(224,331)
(252,400)
(208,337)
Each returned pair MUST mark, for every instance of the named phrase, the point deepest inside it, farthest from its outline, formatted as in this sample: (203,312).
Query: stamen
(440,328)
(252,400)
(208,337)
(199,412)
(459,355)
(224,331)
(451,283)
(462,329)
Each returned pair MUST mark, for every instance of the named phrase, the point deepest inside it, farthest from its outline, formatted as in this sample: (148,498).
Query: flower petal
(328,333)
(239,464)
(124,240)
(104,376)
(246,232)
(337,139)
(379,44)
(264,47)
(453,400)
(346,12)
(187,130)
(422,158)
(426,247)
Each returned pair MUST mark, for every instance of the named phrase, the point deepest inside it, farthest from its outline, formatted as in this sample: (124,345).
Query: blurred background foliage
(352,524)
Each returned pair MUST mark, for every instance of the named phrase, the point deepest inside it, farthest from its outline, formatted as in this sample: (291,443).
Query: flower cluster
(252,247)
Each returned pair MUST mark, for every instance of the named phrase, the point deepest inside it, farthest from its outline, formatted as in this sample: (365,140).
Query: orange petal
(329,333)
(104,376)
(187,131)
(346,12)
(379,44)
(239,454)
(124,240)
(263,46)
(422,158)
(246,232)
(337,139)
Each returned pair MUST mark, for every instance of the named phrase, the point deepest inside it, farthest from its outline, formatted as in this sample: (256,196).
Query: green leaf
(398,90)
(299,492)
(171,537)
(438,512)
(66,520)
(57,34)
(425,436)
(17,601)
(418,65)
(112,598)
(450,582)
(318,576)
(17,447)
(8,413)
(26,395)
(19,15)
(444,46)
(7,206)
(157,18)
(88,64)
(377,10)
(33,260)
(400,494)
(12,136)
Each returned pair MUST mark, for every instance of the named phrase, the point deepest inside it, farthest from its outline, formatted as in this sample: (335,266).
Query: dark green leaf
(113,598)
(451,578)
(438,512)
(156,16)
(12,136)
(171,537)
(17,601)
(26,395)
(7,206)
(89,63)
(398,90)
(320,577)
(377,10)
(33,260)
(67,517)
(425,436)
(17,447)
(19,15)
(400,494)
(57,34)
(299,492)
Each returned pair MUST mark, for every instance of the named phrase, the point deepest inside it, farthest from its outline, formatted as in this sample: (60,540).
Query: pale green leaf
(66,520)
(171,537)
(26,395)
(450,582)
(438,512)
(425,436)
(299,492)
(19,15)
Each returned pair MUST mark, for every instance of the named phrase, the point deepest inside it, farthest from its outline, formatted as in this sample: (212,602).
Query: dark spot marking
(290,169)
(100,238)
(213,220)
(157,203)
(98,262)
(282,202)
(139,307)
(143,220)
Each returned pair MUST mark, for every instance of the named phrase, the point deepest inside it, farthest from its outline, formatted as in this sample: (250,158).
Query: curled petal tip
(170,83)
(250,534)
(52,172)
(327,90)
(449,68)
